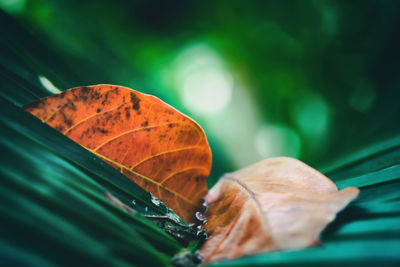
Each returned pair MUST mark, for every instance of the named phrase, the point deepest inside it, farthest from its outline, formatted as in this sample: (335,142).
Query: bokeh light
(48,85)
(311,114)
(362,96)
(277,140)
(205,85)
(13,6)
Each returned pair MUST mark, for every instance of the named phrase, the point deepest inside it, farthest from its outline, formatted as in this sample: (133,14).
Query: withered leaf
(275,204)
(153,144)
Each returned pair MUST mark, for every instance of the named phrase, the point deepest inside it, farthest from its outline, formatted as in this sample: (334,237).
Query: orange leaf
(276,204)
(156,146)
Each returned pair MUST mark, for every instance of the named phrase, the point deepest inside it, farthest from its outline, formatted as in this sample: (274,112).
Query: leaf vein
(163,153)
(180,171)
(144,177)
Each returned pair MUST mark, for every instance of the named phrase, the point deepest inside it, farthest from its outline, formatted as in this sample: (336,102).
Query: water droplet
(202,234)
(134,202)
(200,216)
(173,217)
(155,200)
(179,235)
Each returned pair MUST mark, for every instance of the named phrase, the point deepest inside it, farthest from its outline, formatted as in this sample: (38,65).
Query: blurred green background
(314,80)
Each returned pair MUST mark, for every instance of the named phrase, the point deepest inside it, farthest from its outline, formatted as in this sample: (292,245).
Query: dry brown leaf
(275,204)
(150,142)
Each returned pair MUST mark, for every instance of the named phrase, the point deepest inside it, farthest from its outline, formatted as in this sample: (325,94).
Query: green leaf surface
(362,252)
(373,157)
(391,173)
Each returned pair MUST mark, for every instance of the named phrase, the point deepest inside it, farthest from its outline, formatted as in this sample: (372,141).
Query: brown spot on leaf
(169,111)
(105,99)
(84,133)
(33,105)
(135,101)
(71,105)
(117,115)
(84,93)
(127,112)
(59,128)
(102,130)
(68,122)
(109,116)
